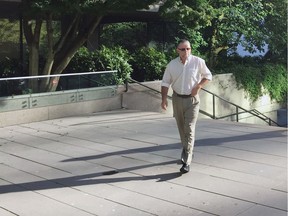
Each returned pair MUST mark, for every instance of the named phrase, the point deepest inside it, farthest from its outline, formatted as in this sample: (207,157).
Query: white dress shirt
(183,77)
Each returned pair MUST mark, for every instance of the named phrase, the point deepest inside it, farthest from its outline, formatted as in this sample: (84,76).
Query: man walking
(186,75)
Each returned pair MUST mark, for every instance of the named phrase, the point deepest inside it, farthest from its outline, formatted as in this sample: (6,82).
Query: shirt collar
(187,60)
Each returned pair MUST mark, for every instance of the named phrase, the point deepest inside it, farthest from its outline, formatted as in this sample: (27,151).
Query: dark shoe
(185,168)
(183,163)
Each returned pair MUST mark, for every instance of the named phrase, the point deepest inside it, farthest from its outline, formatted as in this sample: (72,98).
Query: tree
(130,35)
(79,19)
(275,26)
(224,24)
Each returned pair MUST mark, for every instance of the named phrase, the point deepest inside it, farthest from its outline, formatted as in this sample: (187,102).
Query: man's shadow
(91,179)
(149,149)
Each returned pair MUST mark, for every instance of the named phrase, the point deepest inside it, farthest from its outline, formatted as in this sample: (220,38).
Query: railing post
(126,85)
(270,123)
(214,115)
(79,81)
(237,112)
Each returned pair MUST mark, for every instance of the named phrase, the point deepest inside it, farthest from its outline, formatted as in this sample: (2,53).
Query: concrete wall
(224,85)
(45,106)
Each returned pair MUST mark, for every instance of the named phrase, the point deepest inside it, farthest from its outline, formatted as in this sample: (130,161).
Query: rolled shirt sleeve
(167,79)
(205,72)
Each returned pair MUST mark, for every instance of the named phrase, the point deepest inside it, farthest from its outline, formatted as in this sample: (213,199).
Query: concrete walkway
(127,163)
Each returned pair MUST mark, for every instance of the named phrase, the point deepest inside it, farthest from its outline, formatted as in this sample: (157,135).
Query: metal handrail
(253,112)
(55,75)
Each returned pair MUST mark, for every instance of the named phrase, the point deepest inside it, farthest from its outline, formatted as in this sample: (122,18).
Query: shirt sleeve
(205,72)
(166,80)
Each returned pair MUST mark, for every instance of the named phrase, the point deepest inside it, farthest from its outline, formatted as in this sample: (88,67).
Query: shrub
(81,62)
(114,59)
(101,60)
(148,64)
(257,79)
(249,78)
(10,68)
(275,81)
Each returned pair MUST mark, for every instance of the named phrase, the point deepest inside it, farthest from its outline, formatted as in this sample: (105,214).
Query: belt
(182,96)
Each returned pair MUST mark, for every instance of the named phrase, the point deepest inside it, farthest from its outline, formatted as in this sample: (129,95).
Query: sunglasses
(183,49)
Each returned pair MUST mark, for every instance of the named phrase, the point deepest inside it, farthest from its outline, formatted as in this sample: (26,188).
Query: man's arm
(164,93)
(200,85)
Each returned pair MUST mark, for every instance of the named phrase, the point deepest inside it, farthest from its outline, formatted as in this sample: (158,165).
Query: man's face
(184,50)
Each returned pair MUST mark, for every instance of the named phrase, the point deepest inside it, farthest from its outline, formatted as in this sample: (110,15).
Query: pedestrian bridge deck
(126,162)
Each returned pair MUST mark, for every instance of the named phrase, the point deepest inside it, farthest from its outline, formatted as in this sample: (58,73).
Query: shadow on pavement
(89,179)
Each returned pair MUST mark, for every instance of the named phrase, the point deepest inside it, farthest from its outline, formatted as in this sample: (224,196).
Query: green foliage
(104,59)
(211,26)
(9,31)
(225,24)
(192,12)
(127,35)
(83,61)
(276,29)
(258,77)
(194,36)
(249,78)
(9,68)
(83,6)
(148,64)
(79,21)
(115,58)
(275,81)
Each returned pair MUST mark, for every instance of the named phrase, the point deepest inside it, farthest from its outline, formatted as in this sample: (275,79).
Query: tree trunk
(58,54)
(50,54)
(33,66)
(67,50)
(33,39)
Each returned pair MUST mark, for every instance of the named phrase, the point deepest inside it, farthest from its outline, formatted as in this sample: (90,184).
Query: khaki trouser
(185,111)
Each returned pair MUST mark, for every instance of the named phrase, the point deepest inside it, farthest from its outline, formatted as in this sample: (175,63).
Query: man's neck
(183,60)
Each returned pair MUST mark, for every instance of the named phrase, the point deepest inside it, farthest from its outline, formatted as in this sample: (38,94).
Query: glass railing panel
(12,86)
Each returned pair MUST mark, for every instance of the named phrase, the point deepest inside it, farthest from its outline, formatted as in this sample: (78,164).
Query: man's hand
(196,90)
(164,104)
(164,93)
